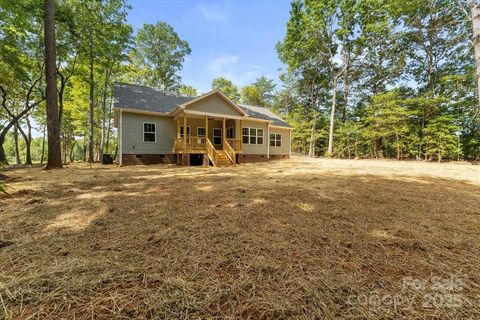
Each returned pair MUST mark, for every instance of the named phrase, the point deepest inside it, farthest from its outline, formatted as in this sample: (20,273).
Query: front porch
(214,136)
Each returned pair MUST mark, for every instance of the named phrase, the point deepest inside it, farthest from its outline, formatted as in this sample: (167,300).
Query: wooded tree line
(94,47)
(382,78)
(362,78)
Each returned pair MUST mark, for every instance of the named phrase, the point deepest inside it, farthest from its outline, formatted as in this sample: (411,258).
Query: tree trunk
(72,158)
(84,148)
(332,118)
(346,80)
(92,102)
(475,11)
(15,140)
(28,139)
(3,156)
(378,148)
(53,125)
(42,157)
(104,110)
(313,140)
(397,138)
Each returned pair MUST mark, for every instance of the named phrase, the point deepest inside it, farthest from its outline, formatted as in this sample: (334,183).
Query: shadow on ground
(245,242)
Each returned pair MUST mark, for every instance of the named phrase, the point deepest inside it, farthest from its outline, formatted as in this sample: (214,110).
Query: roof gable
(214,102)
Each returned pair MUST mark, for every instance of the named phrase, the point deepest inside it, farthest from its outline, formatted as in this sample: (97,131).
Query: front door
(217,138)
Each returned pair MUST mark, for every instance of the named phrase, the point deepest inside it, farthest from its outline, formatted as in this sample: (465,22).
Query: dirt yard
(301,239)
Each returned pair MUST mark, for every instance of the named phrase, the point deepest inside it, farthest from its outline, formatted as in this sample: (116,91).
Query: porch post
(184,131)
(206,129)
(223,132)
(178,128)
(241,134)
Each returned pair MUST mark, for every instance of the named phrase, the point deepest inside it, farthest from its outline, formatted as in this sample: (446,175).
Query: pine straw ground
(302,239)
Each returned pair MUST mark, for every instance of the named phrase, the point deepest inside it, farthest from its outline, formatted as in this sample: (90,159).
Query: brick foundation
(184,159)
(244,158)
(279,156)
(135,159)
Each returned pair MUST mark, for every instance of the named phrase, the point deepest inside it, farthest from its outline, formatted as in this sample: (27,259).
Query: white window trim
(281,140)
(214,136)
(256,136)
(198,134)
(149,132)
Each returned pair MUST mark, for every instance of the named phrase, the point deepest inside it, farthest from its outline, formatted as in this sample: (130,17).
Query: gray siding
(214,104)
(285,148)
(256,148)
(132,134)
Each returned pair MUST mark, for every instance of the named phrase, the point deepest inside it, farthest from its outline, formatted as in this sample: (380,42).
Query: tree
(251,95)
(441,137)
(21,65)
(266,90)
(226,87)
(161,51)
(187,90)
(53,124)
(475,17)
(299,51)
(388,118)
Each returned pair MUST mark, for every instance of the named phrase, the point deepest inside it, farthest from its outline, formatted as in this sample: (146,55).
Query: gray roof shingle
(147,99)
(265,114)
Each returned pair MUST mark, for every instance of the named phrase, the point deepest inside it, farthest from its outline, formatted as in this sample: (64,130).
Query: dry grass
(300,239)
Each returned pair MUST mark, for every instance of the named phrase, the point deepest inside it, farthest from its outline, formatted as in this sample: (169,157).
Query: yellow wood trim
(206,127)
(223,131)
(185,131)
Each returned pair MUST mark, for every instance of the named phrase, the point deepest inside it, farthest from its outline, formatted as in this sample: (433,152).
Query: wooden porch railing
(211,152)
(193,143)
(236,144)
(229,150)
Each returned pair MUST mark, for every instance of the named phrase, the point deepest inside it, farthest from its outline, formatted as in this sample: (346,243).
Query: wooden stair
(223,160)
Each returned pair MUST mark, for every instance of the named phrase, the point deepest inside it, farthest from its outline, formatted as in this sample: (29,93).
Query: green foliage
(442,138)
(161,52)
(365,52)
(251,96)
(226,87)
(187,90)
(352,141)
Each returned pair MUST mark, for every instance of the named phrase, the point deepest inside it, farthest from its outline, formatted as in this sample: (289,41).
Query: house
(159,127)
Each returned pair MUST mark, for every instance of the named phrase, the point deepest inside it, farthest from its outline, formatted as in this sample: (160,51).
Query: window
(230,133)
(188,133)
(275,140)
(252,136)
(201,131)
(217,136)
(149,134)
(245,135)
(181,131)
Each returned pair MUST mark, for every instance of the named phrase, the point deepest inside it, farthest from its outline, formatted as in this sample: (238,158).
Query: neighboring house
(159,127)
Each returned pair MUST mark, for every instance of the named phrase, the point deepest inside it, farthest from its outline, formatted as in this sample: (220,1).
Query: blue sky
(231,38)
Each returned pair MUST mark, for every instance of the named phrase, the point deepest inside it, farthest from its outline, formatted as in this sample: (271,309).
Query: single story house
(158,127)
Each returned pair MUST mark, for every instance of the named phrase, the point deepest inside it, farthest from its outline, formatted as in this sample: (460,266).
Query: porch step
(223,160)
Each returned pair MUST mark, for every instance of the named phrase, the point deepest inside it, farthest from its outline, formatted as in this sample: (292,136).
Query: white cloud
(213,14)
(231,67)
(220,63)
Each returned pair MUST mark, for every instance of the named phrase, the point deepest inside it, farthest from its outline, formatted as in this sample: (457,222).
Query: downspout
(120,138)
